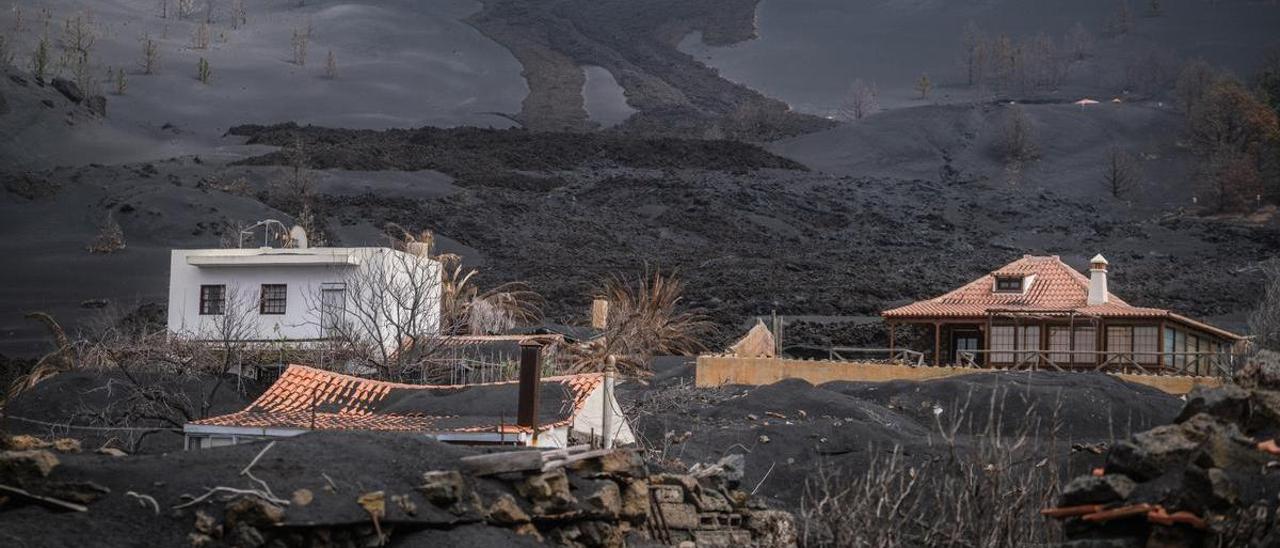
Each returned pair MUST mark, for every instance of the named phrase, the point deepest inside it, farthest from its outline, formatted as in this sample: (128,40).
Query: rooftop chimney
(1098,280)
(600,314)
(530,379)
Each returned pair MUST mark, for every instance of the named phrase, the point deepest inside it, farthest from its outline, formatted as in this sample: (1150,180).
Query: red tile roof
(1054,288)
(308,398)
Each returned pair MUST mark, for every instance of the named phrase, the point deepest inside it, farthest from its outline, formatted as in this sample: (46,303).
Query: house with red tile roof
(567,409)
(1039,312)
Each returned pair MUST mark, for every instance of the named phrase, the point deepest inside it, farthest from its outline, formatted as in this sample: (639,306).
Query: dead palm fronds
(63,357)
(645,320)
(466,309)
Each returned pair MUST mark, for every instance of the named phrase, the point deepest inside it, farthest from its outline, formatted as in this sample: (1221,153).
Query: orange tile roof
(1055,288)
(309,398)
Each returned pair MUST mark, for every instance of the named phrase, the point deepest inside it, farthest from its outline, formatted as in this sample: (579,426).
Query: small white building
(376,294)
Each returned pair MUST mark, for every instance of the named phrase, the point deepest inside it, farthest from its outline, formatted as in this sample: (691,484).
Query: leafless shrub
(200,39)
(239,14)
(301,37)
(331,66)
(79,35)
(1195,79)
(110,238)
(987,491)
(862,101)
(203,73)
(186,8)
(40,59)
(121,82)
(924,86)
(1018,143)
(150,55)
(17,17)
(1122,172)
(1264,322)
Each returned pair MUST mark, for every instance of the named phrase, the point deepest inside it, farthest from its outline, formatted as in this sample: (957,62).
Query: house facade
(303,294)
(1038,312)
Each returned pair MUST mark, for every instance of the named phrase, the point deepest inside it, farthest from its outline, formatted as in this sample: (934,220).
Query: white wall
(301,319)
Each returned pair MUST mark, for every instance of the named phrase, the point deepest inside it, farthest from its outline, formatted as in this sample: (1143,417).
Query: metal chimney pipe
(530,379)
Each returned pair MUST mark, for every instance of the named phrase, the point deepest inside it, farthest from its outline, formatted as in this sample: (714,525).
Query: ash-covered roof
(308,398)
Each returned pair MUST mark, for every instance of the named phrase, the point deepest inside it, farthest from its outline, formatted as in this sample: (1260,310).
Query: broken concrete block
(668,493)
(679,515)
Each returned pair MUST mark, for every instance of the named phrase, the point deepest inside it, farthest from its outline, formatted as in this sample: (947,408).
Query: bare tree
(1122,172)
(973,41)
(1079,42)
(331,66)
(385,313)
(203,73)
(150,55)
(239,14)
(862,101)
(110,237)
(301,37)
(1264,322)
(1195,79)
(1018,142)
(200,39)
(1120,22)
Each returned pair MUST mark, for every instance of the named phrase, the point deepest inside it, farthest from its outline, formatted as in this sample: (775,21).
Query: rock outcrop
(1210,478)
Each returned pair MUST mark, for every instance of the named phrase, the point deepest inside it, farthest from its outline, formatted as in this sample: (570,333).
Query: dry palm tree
(63,357)
(645,320)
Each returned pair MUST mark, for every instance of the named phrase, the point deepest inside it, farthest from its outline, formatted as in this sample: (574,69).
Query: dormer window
(1009,285)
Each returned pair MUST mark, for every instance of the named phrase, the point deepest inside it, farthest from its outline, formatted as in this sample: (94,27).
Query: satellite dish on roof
(298,236)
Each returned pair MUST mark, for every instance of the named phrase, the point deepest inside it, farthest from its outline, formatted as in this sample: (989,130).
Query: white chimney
(1098,280)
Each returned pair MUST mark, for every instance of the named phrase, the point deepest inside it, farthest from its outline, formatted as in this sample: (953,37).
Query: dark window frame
(273,299)
(208,299)
(1009,284)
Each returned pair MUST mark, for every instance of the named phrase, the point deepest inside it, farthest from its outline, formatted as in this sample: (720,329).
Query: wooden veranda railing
(1174,363)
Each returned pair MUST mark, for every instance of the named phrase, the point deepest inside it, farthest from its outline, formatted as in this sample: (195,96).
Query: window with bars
(274,299)
(213,300)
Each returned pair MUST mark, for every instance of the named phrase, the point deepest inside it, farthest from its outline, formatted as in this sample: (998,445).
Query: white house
(304,294)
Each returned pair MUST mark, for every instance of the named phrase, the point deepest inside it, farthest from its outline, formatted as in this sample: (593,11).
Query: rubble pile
(1210,478)
(433,495)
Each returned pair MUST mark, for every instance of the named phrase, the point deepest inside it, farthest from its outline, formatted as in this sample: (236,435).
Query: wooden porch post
(1044,342)
(890,324)
(937,343)
(1160,347)
(986,344)
(1101,345)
